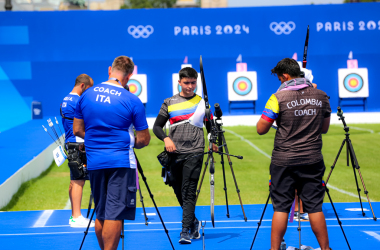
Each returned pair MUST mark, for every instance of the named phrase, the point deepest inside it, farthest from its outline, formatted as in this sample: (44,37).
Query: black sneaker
(185,237)
(194,230)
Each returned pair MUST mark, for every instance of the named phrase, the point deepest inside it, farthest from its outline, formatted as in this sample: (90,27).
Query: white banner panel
(138,86)
(353,83)
(242,86)
(177,87)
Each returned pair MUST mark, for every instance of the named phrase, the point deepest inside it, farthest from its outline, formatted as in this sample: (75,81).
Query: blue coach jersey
(110,113)
(68,110)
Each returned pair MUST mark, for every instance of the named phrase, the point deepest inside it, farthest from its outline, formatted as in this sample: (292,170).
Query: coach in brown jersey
(302,114)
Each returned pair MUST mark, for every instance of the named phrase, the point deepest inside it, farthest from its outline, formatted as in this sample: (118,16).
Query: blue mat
(21,144)
(50,230)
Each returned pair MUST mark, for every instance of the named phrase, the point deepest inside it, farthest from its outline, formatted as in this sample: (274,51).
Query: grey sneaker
(195,230)
(295,215)
(303,217)
(185,237)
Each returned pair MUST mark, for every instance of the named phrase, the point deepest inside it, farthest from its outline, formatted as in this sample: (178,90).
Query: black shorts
(306,179)
(114,191)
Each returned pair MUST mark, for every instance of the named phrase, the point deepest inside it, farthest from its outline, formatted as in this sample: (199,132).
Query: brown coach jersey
(299,113)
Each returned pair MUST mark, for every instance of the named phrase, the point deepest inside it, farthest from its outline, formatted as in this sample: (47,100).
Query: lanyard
(114,79)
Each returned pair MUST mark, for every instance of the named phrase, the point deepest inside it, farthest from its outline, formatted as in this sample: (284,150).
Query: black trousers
(186,176)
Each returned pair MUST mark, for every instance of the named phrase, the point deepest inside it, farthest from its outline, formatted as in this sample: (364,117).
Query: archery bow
(304,61)
(212,139)
(212,189)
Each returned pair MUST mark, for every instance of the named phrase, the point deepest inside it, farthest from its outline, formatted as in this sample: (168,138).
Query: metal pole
(8,5)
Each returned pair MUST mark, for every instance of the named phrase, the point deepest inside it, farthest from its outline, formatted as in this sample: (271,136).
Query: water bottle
(283,245)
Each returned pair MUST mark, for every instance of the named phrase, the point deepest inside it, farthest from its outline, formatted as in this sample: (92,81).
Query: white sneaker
(81,222)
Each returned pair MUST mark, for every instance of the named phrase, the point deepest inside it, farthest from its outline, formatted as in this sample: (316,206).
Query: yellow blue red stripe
(185,105)
(272,109)
(184,110)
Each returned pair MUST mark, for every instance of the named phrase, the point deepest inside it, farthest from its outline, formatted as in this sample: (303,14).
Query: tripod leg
(224,175)
(299,221)
(143,207)
(233,175)
(203,234)
(355,165)
(122,235)
(154,202)
(336,214)
(86,232)
(89,205)
(259,223)
(203,175)
(336,159)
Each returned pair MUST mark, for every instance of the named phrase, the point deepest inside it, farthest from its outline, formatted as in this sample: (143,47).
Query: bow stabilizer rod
(304,61)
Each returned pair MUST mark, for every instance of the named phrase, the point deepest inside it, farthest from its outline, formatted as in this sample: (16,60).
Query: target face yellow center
(353,82)
(132,88)
(242,85)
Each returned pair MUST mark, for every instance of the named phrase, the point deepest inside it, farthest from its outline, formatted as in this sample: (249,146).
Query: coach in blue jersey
(68,106)
(106,117)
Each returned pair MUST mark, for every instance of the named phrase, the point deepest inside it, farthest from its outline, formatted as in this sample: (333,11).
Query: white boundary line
(373,234)
(68,205)
(226,221)
(348,193)
(43,218)
(258,149)
(160,229)
(250,143)
(357,128)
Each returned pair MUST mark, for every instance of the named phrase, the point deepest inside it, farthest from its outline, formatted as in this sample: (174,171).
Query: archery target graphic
(138,86)
(353,83)
(177,88)
(242,86)
(135,87)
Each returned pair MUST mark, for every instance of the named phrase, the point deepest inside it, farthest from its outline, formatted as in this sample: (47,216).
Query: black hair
(188,72)
(287,66)
(83,78)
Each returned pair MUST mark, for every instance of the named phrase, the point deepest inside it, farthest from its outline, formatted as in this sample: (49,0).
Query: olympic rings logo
(140,31)
(282,27)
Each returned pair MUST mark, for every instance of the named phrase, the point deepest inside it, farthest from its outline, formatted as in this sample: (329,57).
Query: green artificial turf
(50,190)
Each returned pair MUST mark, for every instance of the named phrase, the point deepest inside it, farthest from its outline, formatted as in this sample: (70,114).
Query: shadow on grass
(24,187)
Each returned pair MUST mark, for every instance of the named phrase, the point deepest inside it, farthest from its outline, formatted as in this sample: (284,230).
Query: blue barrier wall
(43,52)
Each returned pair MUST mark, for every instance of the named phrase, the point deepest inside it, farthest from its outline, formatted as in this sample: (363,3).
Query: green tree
(147,4)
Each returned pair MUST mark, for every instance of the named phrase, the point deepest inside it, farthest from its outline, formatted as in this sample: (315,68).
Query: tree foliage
(148,4)
(361,1)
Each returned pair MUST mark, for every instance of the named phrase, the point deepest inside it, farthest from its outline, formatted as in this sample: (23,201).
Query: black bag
(77,160)
(166,174)
(164,159)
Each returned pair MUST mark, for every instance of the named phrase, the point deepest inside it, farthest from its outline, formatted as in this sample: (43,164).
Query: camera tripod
(299,221)
(218,135)
(154,203)
(354,162)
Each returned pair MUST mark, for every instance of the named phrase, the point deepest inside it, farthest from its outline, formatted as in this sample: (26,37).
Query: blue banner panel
(17,70)
(63,45)
(14,35)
